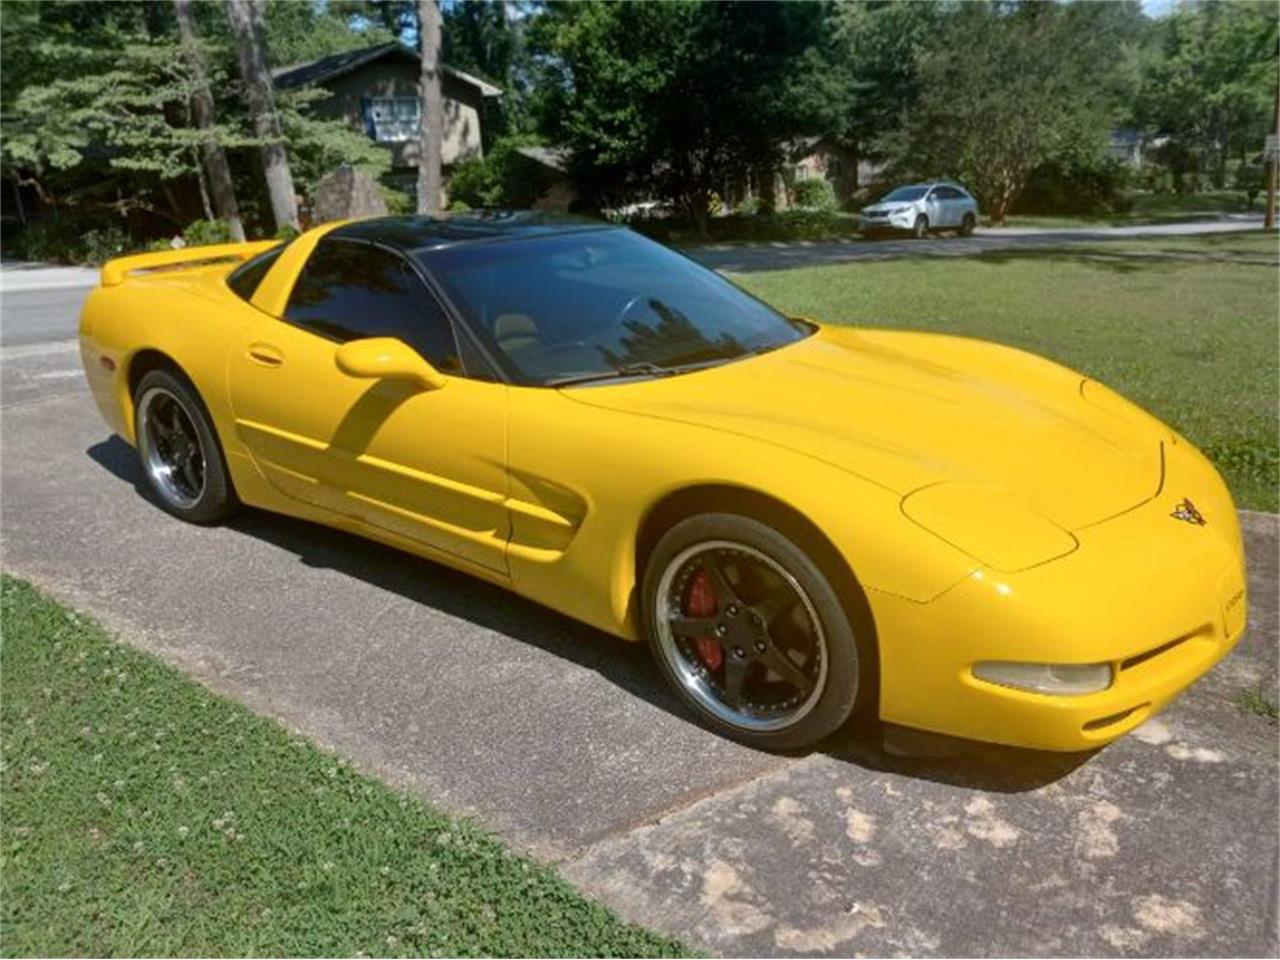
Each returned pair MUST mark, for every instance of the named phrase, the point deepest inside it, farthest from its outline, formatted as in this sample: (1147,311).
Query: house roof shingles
(334,65)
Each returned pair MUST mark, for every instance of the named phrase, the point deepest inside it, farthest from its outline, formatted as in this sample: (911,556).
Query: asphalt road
(781,255)
(39,303)
(565,742)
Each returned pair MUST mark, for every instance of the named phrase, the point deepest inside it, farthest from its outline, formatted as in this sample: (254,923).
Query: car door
(935,208)
(947,213)
(428,465)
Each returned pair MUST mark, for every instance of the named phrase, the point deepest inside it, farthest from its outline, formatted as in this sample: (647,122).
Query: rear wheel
(181,458)
(967,225)
(920,229)
(749,632)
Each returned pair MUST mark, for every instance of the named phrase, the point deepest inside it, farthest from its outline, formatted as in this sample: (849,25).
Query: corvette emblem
(1187,511)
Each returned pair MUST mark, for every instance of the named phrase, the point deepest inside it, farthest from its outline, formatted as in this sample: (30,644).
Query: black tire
(967,225)
(831,700)
(214,499)
(920,229)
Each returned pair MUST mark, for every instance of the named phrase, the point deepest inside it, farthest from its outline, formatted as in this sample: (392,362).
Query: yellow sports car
(800,520)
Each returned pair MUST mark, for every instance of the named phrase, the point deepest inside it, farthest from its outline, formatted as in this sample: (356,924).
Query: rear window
(245,278)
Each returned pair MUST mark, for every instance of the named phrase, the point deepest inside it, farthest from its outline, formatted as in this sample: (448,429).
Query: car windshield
(904,195)
(600,304)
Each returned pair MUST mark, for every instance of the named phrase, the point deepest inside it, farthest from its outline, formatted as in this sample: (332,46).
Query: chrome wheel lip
(695,684)
(161,468)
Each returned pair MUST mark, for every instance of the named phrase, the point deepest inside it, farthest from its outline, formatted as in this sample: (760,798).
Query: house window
(392,119)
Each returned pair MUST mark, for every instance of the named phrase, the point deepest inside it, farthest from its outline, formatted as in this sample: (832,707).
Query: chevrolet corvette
(812,527)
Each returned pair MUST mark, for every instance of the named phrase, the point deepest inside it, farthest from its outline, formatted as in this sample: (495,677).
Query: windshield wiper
(642,368)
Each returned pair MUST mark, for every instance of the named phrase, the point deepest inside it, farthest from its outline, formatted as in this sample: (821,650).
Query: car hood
(910,410)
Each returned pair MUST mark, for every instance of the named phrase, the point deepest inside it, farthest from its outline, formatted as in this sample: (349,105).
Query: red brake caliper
(701,602)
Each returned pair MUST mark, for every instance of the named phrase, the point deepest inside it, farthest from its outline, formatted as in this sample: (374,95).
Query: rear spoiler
(115,271)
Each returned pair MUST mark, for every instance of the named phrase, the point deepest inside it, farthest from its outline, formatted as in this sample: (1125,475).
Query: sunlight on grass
(145,816)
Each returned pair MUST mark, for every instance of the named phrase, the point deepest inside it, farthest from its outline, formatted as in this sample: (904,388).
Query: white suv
(921,207)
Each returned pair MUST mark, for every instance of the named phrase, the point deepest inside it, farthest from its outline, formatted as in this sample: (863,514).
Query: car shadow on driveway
(625,665)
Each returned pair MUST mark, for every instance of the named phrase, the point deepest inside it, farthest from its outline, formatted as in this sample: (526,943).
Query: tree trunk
(246,26)
(215,159)
(431,110)
(698,203)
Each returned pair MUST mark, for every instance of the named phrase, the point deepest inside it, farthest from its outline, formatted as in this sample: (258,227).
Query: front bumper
(892,223)
(1160,599)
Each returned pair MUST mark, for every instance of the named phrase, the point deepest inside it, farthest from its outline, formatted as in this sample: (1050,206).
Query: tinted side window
(245,278)
(348,291)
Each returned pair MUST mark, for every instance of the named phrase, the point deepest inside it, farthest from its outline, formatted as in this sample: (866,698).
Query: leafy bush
(1062,188)
(201,233)
(102,243)
(503,178)
(784,226)
(398,202)
(70,240)
(816,193)
(477,182)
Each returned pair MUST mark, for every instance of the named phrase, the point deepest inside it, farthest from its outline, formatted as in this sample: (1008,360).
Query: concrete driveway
(565,742)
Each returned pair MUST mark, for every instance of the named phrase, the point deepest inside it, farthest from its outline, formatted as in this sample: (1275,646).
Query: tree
(432,109)
(873,49)
(245,17)
(298,32)
(221,188)
(487,39)
(109,116)
(679,98)
(1003,90)
(399,18)
(1211,89)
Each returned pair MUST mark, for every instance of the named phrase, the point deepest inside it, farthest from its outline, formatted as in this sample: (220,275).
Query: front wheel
(749,632)
(920,229)
(181,458)
(967,225)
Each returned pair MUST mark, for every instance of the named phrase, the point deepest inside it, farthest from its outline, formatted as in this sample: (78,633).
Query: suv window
(350,290)
(244,279)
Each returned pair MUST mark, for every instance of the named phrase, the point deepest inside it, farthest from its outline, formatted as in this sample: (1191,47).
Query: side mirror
(386,358)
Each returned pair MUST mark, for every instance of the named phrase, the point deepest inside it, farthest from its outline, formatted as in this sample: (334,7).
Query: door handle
(265,355)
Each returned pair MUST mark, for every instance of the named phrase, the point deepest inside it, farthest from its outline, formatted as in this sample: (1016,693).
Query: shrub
(816,193)
(58,239)
(202,233)
(477,183)
(398,201)
(102,243)
(1059,188)
(784,226)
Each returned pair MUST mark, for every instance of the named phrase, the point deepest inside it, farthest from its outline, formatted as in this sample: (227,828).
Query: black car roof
(429,233)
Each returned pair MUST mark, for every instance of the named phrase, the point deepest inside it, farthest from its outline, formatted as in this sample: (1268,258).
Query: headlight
(1063,679)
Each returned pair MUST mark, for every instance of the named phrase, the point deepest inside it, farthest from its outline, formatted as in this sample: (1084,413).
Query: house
(1126,145)
(546,171)
(375,89)
(824,158)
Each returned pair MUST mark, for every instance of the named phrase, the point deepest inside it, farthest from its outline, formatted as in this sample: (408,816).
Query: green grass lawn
(1150,208)
(142,815)
(1187,327)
